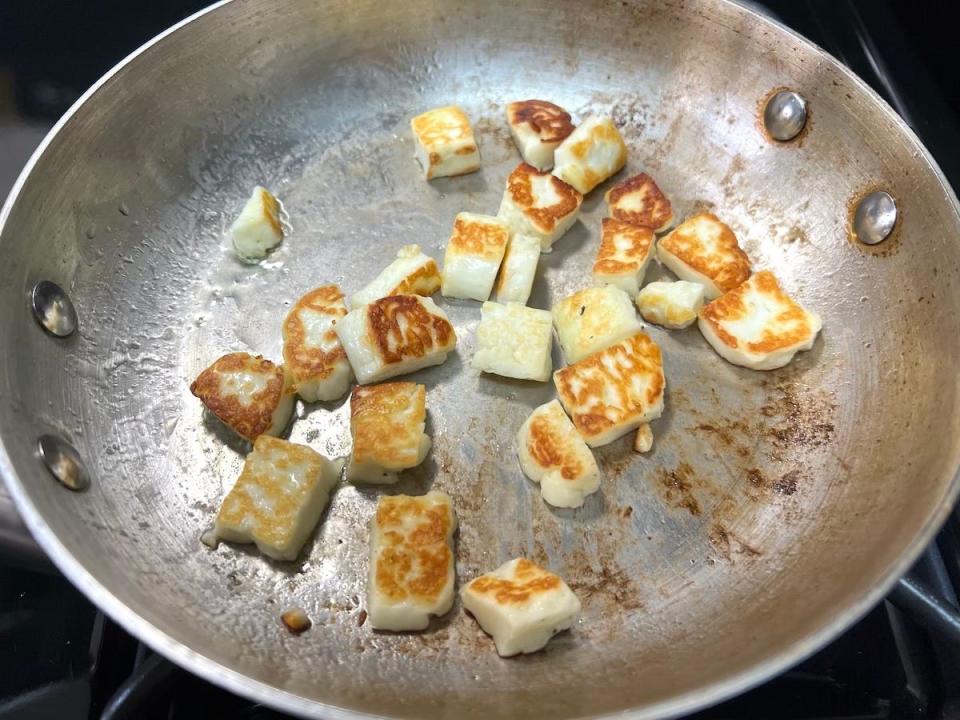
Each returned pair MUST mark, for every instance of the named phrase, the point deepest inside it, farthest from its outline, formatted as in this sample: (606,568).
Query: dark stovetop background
(60,658)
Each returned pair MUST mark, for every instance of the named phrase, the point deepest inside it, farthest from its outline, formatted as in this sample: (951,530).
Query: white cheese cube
(704,250)
(387,424)
(412,273)
(673,305)
(536,203)
(394,336)
(514,341)
(518,269)
(444,142)
(624,254)
(312,353)
(552,453)
(521,606)
(592,319)
(257,230)
(592,153)
(638,201)
(473,256)
(614,391)
(643,442)
(411,574)
(250,395)
(538,127)
(757,325)
(278,499)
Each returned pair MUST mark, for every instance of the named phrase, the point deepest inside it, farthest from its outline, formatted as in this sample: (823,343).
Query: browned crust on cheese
(381,426)
(550,450)
(529,580)
(575,387)
(520,187)
(310,362)
(551,122)
(271,208)
(656,207)
(425,281)
(426,545)
(247,420)
(730,306)
(727,270)
(480,239)
(423,330)
(641,240)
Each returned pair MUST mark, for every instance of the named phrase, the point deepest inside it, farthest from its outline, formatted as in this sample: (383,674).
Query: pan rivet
(53,309)
(875,217)
(785,115)
(63,462)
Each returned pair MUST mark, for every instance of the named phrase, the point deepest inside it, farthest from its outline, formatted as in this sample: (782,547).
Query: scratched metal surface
(774,507)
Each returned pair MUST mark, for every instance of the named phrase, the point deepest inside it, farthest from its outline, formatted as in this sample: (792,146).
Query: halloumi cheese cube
(538,204)
(411,573)
(592,319)
(614,391)
(590,154)
(518,269)
(412,273)
(473,256)
(444,142)
(643,441)
(552,453)
(257,230)
(250,395)
(387,423)
(312,352)
(638,201)
(538,127)
(704,250)
(757,325)
(514,341)
(673,305)
(624,254)
(278,499)
(522,606)
(395,335)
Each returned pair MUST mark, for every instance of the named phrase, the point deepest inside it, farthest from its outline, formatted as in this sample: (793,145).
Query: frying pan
(774,509)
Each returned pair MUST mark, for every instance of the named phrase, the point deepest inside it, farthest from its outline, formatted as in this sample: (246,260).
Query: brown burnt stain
(607,583)
(361,618)
(677,487)
(890,246)
(728,435)
(494,128)
(794,234)
(787,484)
(630,117)
(626,512)
(796,142)
(805,418)
(728,545)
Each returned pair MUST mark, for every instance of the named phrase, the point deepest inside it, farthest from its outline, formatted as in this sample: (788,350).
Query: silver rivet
(53,309)
(875,217)
(785,115)
(63,462)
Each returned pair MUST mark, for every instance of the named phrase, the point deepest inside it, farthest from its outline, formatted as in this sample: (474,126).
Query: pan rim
(256,690)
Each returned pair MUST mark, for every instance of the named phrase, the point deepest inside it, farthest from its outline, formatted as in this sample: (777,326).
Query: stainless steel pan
(775,508)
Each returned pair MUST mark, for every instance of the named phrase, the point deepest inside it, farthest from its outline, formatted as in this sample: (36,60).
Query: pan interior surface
(771,505)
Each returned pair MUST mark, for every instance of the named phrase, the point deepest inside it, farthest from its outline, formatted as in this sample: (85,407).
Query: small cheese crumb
(644,439)
(257,230)
(296,620)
